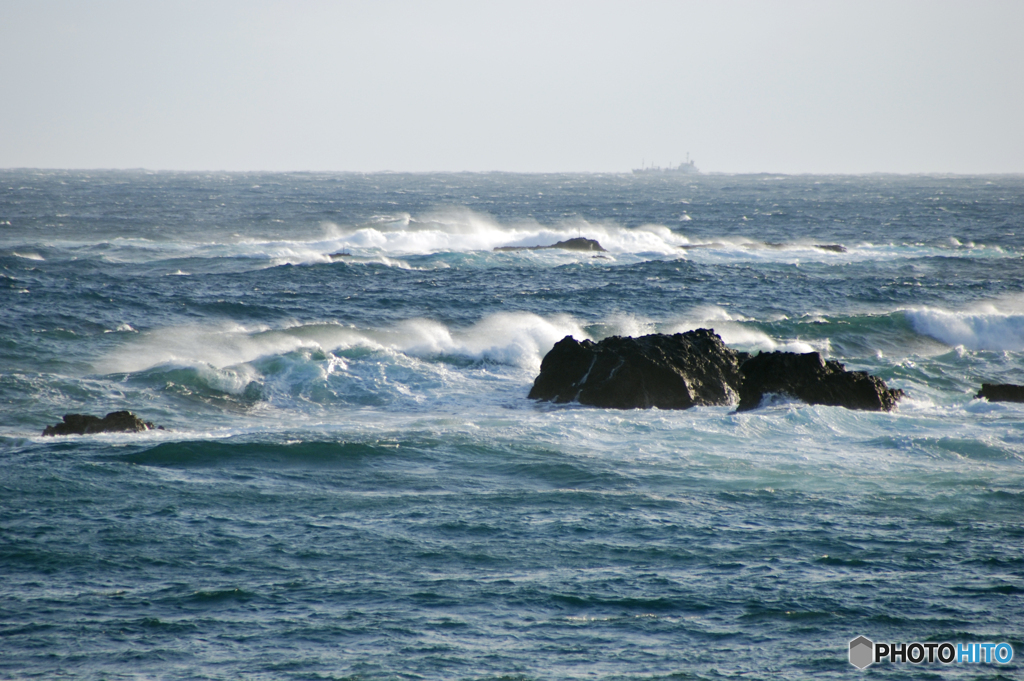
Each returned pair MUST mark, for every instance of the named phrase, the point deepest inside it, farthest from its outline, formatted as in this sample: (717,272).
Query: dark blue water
(351,482)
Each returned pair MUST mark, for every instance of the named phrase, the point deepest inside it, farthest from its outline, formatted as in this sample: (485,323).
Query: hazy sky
(786,86)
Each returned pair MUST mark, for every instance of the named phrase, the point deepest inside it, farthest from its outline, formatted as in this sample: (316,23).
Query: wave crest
(519,339)
(984,328)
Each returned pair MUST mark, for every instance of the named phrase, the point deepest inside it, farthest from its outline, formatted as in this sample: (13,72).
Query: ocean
(351,483)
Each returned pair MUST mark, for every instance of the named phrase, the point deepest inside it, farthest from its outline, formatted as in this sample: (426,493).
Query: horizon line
(387,171)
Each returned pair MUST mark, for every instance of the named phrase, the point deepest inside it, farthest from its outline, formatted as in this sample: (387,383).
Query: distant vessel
(686,168)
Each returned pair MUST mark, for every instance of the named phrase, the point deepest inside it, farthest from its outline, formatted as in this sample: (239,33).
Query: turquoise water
(352,483)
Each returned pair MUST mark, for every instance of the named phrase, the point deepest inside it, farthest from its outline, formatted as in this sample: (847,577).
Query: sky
(824,86)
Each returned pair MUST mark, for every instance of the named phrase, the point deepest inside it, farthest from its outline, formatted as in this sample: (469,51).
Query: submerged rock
(1001,392)
(668,372)
(697,369)
(810,378)
(86,424)
(577,244)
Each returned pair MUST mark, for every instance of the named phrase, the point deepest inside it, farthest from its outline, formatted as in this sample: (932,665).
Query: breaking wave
(387,239)
(986,327)
(518,339)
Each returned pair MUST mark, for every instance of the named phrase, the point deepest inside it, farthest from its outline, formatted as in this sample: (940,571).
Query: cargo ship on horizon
(687,167)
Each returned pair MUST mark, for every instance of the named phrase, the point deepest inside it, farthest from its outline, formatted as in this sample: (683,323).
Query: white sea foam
(991,326)
(226,355)
(233,380)
(463,230)
(736,331)
(122,328)
(623,324)
(385,239)
(518,339)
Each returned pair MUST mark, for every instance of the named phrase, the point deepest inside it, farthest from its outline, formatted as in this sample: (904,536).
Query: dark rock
(810,378)
(577,244)
(85,424)
(835,248)
(669,372)
(696,368)
(1001,392)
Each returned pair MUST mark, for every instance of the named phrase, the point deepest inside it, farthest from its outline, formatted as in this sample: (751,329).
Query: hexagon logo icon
(862,652)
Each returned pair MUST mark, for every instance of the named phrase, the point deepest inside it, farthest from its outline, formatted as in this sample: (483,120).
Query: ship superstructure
(687,167)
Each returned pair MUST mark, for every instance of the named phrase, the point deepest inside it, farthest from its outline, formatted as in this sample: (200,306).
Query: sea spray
(983,327)
(352,481)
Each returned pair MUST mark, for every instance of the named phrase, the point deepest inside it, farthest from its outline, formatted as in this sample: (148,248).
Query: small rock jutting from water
(114,422)
(1001,392)
(577,244)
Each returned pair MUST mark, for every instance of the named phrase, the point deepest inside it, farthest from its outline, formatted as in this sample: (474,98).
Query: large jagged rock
(576,244)
(86,424)
(669,372)
(1001,392)
(696,368)
(810,378)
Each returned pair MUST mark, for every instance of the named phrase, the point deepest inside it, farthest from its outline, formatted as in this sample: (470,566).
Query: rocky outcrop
(85,424)
(669,372)
(1001,392)
(813,380)
(577,244)
(696,368)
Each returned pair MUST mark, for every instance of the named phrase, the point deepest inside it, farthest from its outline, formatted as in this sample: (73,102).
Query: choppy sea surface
(352,483)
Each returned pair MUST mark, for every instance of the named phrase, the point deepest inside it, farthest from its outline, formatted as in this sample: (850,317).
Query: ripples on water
(353,484)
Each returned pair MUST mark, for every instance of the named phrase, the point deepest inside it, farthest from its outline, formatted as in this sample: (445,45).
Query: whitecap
(985,327)
(739,332)
(515,338)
